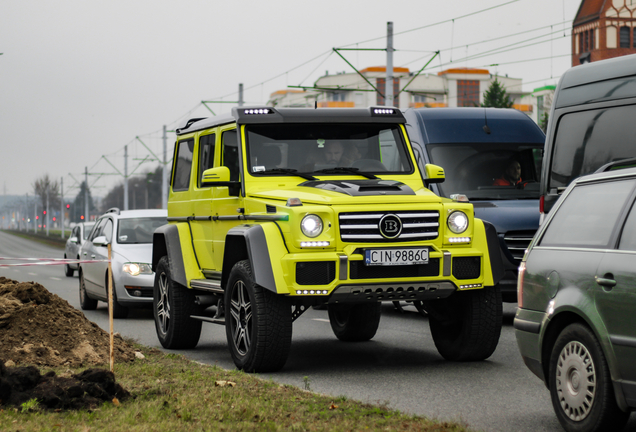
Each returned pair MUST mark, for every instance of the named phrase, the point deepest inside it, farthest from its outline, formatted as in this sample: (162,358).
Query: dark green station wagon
(576,321)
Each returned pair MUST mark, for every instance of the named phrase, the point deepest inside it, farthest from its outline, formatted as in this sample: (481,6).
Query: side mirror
(218,177)
(434,174)
(100,241)
(73,240)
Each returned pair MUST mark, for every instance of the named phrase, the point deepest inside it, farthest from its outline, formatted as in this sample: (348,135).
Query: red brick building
(603,29)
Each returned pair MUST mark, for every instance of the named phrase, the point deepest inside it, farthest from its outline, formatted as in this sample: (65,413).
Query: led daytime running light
(312,292)
(459,240)
(314,244)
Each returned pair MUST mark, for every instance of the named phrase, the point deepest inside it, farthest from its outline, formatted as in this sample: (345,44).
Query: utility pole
(62,205)
(164,171)
(240,99)
(388,100)
(47,210)
(86,215)
(126,177)
(35,216)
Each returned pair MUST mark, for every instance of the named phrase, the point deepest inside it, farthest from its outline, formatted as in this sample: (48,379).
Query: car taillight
(522,273)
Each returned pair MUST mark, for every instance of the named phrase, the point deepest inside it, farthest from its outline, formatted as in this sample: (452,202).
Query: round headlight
(458,222)
(311,225)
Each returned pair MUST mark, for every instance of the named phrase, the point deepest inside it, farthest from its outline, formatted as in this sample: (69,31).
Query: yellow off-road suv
(272,211)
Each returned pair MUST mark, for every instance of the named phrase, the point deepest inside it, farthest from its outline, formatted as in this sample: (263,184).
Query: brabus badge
(390,226)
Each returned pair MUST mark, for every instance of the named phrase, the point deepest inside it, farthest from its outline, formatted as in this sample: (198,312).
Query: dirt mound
(85,390)
(39,328)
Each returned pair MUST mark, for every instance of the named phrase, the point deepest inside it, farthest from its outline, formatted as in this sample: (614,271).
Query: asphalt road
(400,367)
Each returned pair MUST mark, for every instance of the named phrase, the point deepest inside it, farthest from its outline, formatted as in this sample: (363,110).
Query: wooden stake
(110,311)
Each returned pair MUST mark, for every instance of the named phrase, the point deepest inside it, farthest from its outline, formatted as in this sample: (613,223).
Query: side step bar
(212,285)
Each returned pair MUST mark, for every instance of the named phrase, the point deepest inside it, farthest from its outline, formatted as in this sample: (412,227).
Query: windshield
(489,170)
(138,230)
(326,149)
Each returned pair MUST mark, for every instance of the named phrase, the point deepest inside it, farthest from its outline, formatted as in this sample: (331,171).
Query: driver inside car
(511,175)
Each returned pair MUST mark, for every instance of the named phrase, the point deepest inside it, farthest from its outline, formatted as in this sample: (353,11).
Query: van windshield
(489,171)
(326,149)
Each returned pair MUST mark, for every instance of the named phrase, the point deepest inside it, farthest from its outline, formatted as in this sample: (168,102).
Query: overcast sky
(81,79)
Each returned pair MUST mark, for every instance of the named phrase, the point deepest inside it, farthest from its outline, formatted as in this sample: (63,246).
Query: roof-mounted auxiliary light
(253,111)
(383,111)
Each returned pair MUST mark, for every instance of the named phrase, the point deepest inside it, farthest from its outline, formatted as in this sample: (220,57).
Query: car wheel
(119,311)
(86,303)
(258,323)
(172,305)
(68,271)
(466,326)
(355,323)
(580,384)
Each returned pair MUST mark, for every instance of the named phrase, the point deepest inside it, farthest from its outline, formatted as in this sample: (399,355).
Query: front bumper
(528,325)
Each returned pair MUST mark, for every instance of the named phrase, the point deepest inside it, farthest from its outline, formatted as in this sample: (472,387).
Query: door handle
(606,281)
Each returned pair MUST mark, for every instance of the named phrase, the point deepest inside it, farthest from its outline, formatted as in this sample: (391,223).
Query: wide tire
(119,311)
(466,326)
(86,303)
(68,271)
(580,383)
(258,323)
(355,323)
(172,306)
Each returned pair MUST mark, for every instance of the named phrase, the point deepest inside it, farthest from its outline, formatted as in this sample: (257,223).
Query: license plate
(386,257)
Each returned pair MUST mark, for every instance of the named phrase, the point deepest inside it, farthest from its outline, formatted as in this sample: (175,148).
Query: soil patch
(40,328)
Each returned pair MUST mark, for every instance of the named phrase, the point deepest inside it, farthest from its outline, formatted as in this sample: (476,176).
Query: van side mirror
(218,177)
(434,174)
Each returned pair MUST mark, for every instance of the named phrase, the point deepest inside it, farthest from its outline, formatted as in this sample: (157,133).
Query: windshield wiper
(306,176)
(347,170)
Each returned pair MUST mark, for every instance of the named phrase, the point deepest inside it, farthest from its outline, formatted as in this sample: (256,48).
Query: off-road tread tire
(271,324)
(86,303)
(471,328)
(605,414)
(183,331)
(355,323)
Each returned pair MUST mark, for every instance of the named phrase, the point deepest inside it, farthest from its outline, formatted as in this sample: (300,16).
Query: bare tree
(43,186)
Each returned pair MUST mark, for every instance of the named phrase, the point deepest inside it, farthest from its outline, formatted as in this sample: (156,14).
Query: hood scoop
(362,187)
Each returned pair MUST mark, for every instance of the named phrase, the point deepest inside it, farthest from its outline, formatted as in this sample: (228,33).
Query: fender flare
(166,242)
(249,242)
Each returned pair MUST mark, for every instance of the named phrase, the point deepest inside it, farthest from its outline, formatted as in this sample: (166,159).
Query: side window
(588,215)
(97,229)
(206,155)
(183,166)
(587,140)
(230,153)
(628,236)
(107,231)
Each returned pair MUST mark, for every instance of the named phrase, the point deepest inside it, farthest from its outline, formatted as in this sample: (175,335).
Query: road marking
(55,278)
(32,274)
(320,319)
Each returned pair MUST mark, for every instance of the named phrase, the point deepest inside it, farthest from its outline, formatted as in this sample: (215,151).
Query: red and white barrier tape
(45,261)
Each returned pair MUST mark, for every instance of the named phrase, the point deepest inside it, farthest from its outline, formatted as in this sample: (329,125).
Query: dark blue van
(493,158)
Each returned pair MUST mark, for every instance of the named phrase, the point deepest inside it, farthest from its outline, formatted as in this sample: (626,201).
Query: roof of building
(465,70)
(383,69)
(589,10)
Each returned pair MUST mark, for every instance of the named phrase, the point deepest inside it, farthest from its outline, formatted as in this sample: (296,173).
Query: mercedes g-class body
(475,146)
(272,211)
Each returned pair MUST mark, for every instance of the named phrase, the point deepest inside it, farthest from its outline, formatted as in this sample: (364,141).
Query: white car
(129,234)
(78,236)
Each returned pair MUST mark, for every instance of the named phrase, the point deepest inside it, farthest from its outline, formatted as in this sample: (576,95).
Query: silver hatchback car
(129,234)
(78,236)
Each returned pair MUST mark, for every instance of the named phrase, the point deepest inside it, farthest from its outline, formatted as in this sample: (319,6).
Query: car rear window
(588,215)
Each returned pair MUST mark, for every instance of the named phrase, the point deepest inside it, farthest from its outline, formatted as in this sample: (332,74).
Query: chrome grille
(364,227)
(517,242)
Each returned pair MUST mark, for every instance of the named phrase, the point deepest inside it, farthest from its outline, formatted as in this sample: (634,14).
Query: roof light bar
(258,111)
(383,111)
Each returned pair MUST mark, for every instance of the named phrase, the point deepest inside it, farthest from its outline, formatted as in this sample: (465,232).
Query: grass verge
(172,393)
(53,239)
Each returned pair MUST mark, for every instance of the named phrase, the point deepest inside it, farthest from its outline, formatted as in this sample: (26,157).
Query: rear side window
(183,166)
(587,140)
(588,215)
